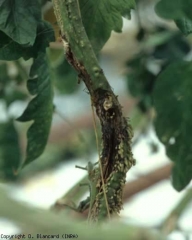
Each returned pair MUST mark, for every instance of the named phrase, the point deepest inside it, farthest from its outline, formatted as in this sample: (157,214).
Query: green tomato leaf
(45,35)
(65,78)
(101,17)
(11,50)
(185,25)
(8,91)
(19,20)
(175,48)
(4,79)
(140,81)
(173,105)
(10,155)
(179,11)
(40,108)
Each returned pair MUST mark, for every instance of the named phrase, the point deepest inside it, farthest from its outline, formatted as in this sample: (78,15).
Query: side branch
(116,156)
(171,222)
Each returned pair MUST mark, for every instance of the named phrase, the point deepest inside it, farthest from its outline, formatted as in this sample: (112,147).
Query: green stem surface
(116,157)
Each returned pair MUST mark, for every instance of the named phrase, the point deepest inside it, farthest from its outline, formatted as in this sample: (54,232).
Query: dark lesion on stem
(116,156)
(78,66)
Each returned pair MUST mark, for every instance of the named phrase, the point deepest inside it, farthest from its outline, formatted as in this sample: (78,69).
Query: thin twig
(170,223)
